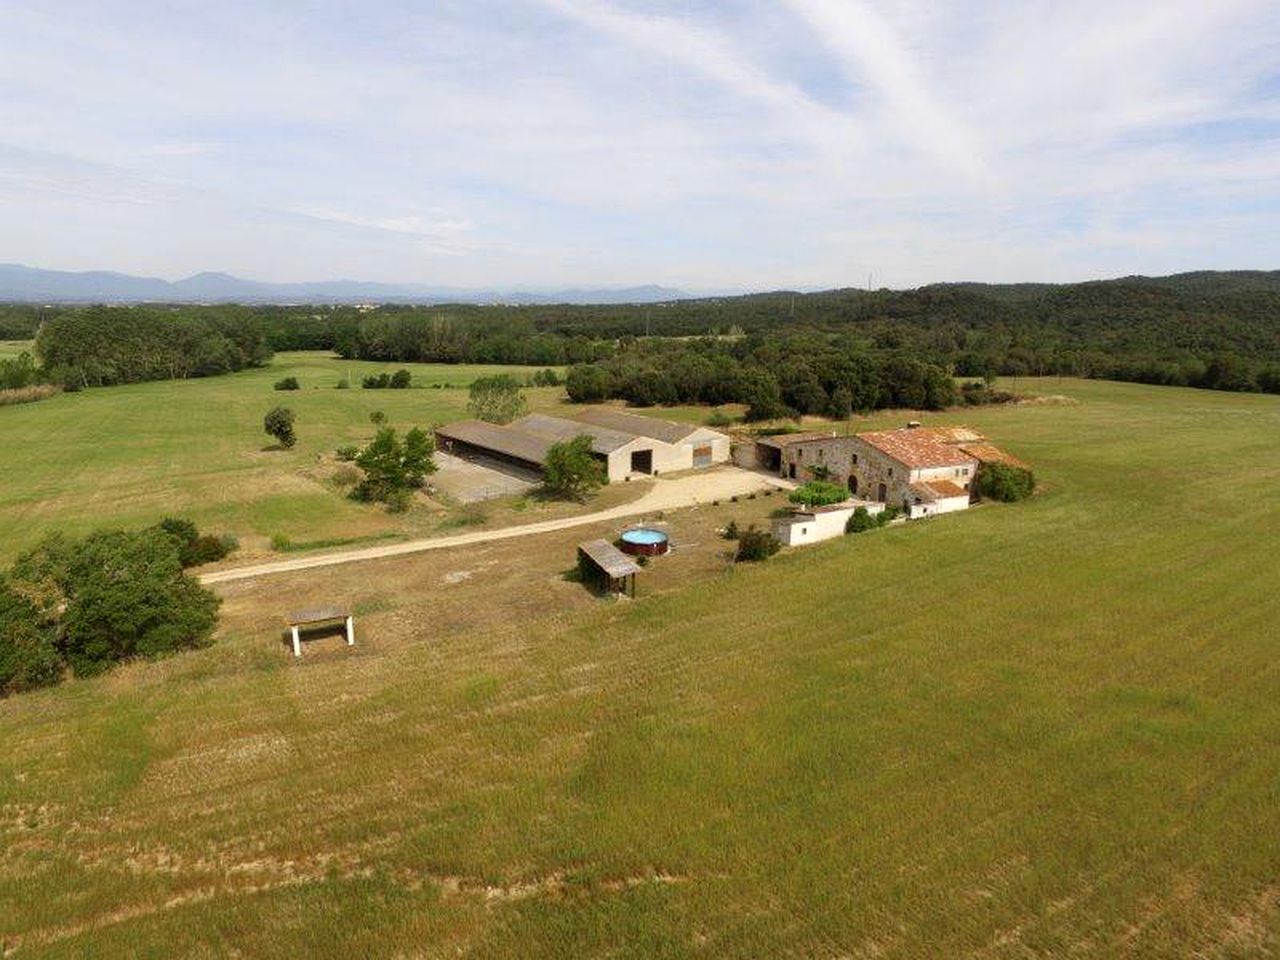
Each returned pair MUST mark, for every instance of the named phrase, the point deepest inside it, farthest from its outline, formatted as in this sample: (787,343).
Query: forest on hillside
(1212,330)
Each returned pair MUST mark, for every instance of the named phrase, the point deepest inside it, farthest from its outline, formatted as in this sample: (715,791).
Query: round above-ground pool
(644,542)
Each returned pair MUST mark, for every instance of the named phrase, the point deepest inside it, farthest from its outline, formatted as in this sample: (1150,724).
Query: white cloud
(489,142)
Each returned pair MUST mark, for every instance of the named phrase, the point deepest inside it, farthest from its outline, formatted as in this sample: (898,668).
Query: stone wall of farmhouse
(851,459)
(872,468)
(833,453)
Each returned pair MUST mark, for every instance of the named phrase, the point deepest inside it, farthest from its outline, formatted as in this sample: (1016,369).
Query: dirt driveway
(668,493)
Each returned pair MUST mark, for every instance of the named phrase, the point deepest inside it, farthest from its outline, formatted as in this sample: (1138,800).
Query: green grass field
(130,455)
(1046,729)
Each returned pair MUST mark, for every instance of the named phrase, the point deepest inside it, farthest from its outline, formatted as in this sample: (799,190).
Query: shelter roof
(609,558)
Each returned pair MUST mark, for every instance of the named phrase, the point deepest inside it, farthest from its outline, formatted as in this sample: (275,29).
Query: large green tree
(496,399)
(112,596)
(392,468)
(570,469)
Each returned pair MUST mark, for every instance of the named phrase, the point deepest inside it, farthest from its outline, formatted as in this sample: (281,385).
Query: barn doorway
(642,461)
(702,456)
(882,493)
(853,483)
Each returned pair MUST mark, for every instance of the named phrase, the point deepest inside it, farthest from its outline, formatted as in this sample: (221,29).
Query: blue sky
(544,143)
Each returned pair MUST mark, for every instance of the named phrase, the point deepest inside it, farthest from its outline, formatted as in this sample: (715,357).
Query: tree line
(774,376)
(102,346)
(1212,330)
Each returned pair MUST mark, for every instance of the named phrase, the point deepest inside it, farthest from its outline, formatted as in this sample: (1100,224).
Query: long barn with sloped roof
(626,444)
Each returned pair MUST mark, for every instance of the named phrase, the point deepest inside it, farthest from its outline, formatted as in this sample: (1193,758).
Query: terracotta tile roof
(916,448)
(780,440)
(938,490)
(990,453)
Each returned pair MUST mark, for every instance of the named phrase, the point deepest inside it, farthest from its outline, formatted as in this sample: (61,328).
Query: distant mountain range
(23,284)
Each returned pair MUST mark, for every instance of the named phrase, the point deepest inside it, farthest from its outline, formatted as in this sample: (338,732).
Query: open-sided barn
(626,443)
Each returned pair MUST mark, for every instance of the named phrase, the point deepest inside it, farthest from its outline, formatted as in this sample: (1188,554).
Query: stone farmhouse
(625,443)
(922,470)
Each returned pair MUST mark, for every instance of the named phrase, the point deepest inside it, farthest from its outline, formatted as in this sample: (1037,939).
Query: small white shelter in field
(316,617)
(814,524)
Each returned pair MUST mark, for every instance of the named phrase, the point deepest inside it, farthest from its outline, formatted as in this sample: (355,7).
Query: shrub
(28,656)
(346,476)
(31,394)
(347,452)
(376,381)
(288,383)
(193,548)
(718,418)
(731,531)
(818,493)
(278,423)
(344,384)
(862,520)
(1004,482)
(280,542)
(400,380)
(206,549)
(755,545)
(546,378)
(377,418)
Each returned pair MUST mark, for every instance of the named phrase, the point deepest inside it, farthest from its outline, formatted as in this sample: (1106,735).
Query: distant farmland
(128,455)
(1047,729)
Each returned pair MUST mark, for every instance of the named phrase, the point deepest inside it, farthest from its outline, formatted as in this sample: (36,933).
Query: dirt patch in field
(435,595)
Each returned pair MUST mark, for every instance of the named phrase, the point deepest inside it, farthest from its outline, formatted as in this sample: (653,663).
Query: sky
(758,144)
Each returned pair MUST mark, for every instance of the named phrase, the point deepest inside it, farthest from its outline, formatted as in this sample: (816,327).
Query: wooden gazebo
(316,617)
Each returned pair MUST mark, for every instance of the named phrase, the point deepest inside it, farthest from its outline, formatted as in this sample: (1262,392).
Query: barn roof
(603,439)
(916,448)
(624,422)
(504,440)
(609,558)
